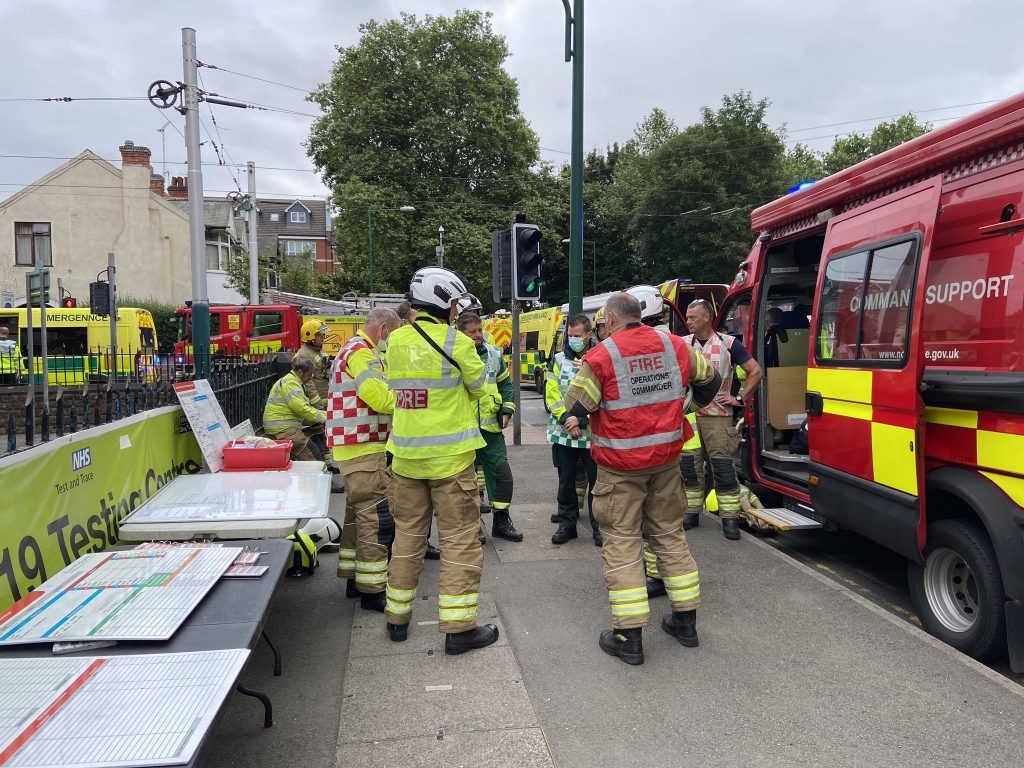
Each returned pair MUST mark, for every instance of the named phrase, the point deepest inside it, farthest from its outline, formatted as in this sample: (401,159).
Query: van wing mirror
(814,404)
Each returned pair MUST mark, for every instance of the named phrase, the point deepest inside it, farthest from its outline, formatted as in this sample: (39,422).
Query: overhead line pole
(574,53)
(254,217)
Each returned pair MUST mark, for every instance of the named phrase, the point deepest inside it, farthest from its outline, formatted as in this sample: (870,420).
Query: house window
(275,217)
(32,244)
(218,253)
(297,217)
(295,248)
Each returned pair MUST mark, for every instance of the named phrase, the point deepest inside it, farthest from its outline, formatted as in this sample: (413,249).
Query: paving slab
(515,748)
(396,697)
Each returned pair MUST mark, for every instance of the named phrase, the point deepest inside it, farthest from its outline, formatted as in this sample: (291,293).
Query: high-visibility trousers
(623,503)
(368,529)
(455,501)
(719,440)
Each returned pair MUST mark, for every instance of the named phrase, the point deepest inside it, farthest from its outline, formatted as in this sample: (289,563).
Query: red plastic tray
(239,457)
(258,469)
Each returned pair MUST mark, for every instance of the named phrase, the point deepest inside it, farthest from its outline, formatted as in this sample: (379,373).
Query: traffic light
(527,262)
(501,265)
(69,302)
(99,298)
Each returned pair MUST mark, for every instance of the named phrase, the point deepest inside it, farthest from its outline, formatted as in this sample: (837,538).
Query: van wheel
(958,592)
(538,380)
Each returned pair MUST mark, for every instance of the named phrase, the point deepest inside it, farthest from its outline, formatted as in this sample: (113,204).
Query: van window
(865,303)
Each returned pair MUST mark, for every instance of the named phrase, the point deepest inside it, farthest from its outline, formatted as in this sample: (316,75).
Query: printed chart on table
(237,496)
(129,595)
(143,710)
(204,414)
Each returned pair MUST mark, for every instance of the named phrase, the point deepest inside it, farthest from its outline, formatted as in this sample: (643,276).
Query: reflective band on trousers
(399,601)
(629,602)
(346,559)
(457,607)
(375,572)
(683,588)
(625,443)
(660,382)
(651,563)
(435,440)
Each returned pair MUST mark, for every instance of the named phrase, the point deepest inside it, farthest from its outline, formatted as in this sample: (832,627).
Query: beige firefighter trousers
(653,500)
(300,448)
(719,438)
(455,501)
(364,547)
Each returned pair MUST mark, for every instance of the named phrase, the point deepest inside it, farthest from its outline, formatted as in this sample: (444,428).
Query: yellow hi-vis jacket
(434,431)
(287,406)
(11,360)
(694,442)
(499,398)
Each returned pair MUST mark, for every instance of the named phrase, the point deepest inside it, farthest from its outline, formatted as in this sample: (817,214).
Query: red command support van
(886,305)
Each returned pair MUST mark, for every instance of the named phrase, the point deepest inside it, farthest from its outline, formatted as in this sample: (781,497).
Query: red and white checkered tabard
(350,421)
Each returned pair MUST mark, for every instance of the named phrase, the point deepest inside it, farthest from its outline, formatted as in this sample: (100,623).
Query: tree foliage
(422,113)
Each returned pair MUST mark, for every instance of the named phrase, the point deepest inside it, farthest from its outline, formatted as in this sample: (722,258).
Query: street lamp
(440,246)
(593,251)
(369,233)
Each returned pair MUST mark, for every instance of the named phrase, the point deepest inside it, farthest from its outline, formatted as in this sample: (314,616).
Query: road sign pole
(43,294)
(31,342)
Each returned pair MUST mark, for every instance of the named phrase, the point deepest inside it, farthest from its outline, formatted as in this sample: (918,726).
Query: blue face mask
(577,343)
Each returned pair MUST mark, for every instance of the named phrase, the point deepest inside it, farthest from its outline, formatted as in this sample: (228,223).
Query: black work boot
(682,625)
(372,602)
(655,587)
(691,520)
(398,633)
(351,590)
(432,553)
(554,518)
(562,535)
(598,538)
(503,528)
(730,528)
(627,644)
(479,637)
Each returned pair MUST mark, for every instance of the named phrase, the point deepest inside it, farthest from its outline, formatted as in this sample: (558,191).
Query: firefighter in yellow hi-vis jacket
(634,385)
(314,333)
(436,374)
(288,410)
(359,408)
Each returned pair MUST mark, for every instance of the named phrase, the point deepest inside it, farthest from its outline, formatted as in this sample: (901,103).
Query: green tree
(852,149)
(421,112)
(801,163)
(237,270)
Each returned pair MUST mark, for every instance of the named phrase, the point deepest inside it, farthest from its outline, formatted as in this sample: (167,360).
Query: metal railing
(88,390)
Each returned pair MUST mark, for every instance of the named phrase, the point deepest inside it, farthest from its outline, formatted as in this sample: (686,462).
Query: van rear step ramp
(785,519)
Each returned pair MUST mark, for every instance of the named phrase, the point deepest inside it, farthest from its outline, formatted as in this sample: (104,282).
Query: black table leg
(277,654)
(268,710)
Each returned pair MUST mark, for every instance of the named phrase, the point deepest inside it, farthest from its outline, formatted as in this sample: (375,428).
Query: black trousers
(569,461)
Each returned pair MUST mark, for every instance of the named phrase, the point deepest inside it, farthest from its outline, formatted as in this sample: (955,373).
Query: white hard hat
(324,531)
(438,288)
(651,303)
(469,303)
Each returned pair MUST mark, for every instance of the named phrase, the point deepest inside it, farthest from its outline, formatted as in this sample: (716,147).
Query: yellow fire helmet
(599,317)
(311,328)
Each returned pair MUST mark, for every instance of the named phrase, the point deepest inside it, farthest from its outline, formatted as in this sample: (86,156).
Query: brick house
(297,229)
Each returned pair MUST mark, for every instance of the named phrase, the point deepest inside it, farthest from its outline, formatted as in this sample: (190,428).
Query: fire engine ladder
(785,519)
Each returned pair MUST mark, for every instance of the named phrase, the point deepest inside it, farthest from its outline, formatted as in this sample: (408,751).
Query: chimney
(178,188)
(133,155)
(156,184)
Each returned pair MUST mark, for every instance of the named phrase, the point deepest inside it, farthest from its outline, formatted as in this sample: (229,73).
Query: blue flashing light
(801,185)
(180,359)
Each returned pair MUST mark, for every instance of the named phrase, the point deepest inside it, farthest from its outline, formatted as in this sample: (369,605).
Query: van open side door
(865,413)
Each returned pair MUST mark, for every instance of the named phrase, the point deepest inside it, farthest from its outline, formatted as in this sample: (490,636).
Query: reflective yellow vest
(287,406)
(10,358)
(434,411)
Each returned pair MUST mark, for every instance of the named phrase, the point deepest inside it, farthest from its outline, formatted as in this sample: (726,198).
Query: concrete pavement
(792,670)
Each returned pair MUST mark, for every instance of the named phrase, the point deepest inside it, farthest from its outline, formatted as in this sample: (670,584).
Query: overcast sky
(820,62)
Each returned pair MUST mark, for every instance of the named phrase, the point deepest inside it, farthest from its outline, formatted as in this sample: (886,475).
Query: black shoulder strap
(440,351)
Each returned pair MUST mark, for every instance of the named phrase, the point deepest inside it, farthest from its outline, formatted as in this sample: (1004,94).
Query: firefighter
(313,334)
(359,408)
(569,435)
(634,385)
(288,409)
(494,410)
(436,376)
(718,435)
(600,328)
